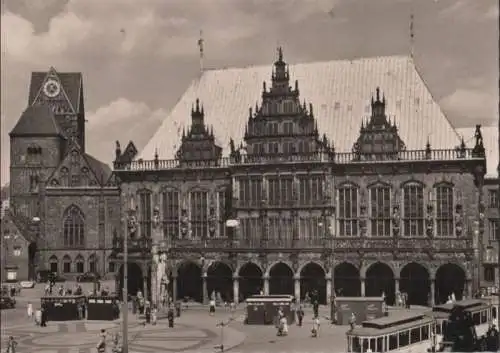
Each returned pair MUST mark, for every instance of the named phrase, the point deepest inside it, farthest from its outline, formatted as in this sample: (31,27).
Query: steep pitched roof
(340,92)
(36,120)
(72,83)
(100,169)
(490,141)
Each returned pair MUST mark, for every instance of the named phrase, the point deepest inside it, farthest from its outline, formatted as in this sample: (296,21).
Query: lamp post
(131,227)
(36,256)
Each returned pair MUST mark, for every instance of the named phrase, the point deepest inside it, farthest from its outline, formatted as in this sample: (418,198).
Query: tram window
(476,318)
(393,342)
(404,338)
(380,344)
(365,345)
(484,316)
(355,345)
(372,343)
(425,332)
(415,335)
(438,328)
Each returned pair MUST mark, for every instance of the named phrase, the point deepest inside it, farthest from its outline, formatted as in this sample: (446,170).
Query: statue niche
(198,147)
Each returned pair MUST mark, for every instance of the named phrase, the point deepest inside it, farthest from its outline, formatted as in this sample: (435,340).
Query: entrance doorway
(250,277)
(415,281)
(220,280)
(312,281)
(281,279)
(380,279)
(346,280)
(190,282)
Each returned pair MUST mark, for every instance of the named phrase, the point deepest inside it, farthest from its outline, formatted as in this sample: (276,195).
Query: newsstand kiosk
(103,308)
(62,308)
(262,309)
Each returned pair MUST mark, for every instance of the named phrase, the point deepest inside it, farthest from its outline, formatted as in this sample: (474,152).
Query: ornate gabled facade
(61,199)
(284,212)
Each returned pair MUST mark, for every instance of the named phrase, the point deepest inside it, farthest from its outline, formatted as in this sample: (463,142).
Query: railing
(284,204)
(404,244)
(318,157)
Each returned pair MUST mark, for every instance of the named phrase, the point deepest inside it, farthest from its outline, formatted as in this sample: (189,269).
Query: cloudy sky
(138,57)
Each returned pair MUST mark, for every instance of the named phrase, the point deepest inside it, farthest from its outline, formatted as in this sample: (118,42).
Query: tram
(401,332)
(483,315)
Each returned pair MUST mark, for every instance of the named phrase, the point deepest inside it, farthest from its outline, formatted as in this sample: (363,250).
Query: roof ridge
(399,56)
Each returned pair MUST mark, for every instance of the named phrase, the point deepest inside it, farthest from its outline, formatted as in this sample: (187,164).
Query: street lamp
(132,228)
(36,256)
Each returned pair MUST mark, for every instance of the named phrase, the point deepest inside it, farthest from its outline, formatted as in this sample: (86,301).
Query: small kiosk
(262,309)
(364,308)
(63,308)
(102,308)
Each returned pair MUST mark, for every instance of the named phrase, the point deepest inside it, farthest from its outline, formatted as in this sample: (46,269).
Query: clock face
(51,88)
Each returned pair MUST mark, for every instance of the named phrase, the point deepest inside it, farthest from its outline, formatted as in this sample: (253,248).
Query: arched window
(66,264)
(54,264)
(348,210)
(171,213)
(444,210)
(93,260)
(380,210)
(74,228)
(198,209)
(80,264)
(413,210)
(146,213)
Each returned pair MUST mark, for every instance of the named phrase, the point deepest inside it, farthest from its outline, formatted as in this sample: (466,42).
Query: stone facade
(15,252)
(373,222)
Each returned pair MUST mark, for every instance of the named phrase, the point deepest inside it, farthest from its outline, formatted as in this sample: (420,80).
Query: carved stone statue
(156,217)
(132,226)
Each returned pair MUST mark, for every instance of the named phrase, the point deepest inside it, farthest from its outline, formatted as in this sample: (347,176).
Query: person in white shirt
(29,310)
(212,307)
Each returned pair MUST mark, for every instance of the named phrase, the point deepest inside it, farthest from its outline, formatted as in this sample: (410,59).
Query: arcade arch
(220,280)
(250,280)
(313,282)
(135,279)
(380,279)
(450,278)
(415,281)
(190,282)
(346,280)
(281,279)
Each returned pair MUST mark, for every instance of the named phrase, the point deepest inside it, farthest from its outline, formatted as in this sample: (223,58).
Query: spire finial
(280,54)
(412,33)
(197,105)
(378,94)
(200,46)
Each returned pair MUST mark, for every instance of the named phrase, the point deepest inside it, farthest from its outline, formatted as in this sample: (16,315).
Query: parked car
(27,284)
(7,302)
(88,277)
(44,276)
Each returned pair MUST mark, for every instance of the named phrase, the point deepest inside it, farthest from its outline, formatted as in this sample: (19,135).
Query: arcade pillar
(362,287)
(236,289)
(266,284)
(297,288)
(328,279)
(433,292)
(205,289)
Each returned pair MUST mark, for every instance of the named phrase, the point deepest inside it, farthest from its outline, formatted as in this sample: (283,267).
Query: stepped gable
(339,90)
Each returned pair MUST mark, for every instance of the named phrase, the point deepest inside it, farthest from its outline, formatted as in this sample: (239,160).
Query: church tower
(53,122)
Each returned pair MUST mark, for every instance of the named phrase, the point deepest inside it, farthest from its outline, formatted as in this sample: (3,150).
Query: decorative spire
(412,34)
(280,54)
(200,46)
(311,113)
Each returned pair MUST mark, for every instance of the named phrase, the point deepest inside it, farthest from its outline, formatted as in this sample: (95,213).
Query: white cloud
(121,120)
(470,104)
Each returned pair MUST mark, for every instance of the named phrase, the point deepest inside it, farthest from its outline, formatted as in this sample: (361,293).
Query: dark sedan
(7,302)
(88,277)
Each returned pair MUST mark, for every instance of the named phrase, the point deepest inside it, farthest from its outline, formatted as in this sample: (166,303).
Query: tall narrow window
(444,211)
(54,264)
(311,190)
(221,200)
(251,192)
(348,211)
(380,207)
(73,228)
(171,214)
(199,214)
(66,264)
(280,191)
(251,231)
(274,230)
(413,210)
(93,263)
(80,265)
(494,227)
(145,214)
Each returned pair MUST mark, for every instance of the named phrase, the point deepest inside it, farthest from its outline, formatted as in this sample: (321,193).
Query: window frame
(445,222)
(380,214)
(348,215)
(413,220)
(73,225)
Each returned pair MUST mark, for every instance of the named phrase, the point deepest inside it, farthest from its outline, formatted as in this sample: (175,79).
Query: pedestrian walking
(212,307)
(38,317)
(300,315)
(170,316)
(11,345)
(101,345)
(315,328)
(29,310)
